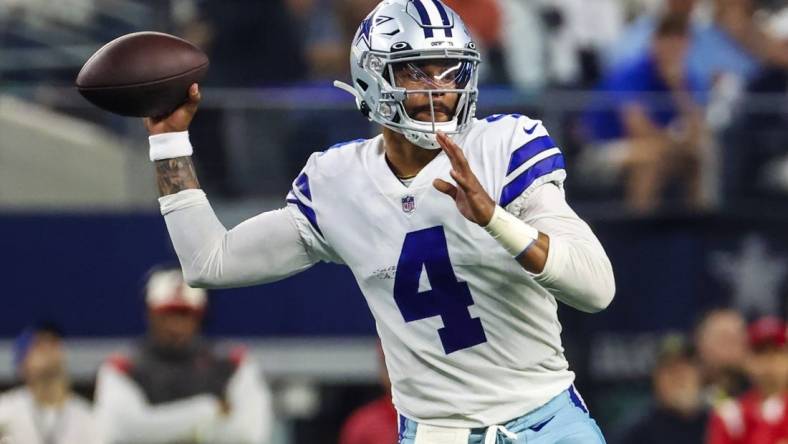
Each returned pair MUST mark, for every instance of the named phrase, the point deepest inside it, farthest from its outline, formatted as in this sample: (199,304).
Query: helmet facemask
(436,74)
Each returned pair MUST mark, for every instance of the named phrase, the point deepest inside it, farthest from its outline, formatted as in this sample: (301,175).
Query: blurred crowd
(172,386)
(726,382)
(535,44)
(529,45)
(668,116)
(663,100)
(673,112)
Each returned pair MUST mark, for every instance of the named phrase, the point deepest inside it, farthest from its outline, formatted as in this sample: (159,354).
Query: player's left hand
(472,200)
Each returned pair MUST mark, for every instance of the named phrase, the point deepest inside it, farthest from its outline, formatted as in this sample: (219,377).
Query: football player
(456,230)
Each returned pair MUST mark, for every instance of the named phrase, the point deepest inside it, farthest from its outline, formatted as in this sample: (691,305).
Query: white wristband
(169,146)
(513,234)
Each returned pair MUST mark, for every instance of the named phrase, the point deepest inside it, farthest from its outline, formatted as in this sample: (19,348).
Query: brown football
(144,74)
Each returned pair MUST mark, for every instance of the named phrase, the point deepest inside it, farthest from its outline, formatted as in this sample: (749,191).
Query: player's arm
(553,243)
(577,270)
(265,248)
(176,175)
(174,167)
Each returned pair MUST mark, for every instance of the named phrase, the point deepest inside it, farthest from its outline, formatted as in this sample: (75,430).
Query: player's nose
(436,91)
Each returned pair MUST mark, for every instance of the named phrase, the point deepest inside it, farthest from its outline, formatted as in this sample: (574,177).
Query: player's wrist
(169,145)
(514,235)
(155,130)
(486,213)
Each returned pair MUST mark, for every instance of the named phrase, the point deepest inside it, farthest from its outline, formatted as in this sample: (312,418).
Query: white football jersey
(470,338)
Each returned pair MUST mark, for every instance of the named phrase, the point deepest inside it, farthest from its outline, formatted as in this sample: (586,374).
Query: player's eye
(461,74)
(448,74)
(415,74)
(444,74)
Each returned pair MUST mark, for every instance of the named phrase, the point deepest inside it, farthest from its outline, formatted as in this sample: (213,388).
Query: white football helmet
(406,35)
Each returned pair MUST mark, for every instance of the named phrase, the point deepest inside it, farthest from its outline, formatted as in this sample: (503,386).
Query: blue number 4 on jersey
(428,250)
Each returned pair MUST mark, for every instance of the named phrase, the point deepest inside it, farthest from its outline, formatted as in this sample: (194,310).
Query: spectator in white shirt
(44,410)
(174,387)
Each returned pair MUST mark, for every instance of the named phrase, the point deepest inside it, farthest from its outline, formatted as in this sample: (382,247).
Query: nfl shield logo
(408,203)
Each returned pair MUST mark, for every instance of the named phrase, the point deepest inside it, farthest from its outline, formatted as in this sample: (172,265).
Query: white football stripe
(300,196)
(531,162)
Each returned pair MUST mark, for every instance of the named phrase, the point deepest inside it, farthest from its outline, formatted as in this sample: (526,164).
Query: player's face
(431,75)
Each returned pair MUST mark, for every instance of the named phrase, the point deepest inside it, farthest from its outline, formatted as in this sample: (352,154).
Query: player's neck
(405,158)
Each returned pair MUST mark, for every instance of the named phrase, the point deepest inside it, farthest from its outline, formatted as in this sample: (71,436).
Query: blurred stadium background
(80,224)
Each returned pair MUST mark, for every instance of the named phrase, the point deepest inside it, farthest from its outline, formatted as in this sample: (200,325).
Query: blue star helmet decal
(383,19)
(365,30)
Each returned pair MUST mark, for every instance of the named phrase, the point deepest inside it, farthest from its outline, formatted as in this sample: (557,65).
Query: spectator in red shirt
(373,423)
(761,415)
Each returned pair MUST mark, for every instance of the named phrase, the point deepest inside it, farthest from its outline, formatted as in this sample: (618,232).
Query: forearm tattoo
(174,175)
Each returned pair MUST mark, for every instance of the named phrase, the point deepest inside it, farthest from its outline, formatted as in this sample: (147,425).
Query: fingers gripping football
(179,119)
(472,200)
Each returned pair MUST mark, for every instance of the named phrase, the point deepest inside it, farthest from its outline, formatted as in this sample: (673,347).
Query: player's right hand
(179,119)
(471,199)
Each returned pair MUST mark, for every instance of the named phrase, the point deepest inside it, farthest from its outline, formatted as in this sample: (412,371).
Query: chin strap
(422,140)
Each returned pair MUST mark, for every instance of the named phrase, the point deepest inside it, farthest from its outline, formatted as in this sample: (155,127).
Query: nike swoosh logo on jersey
(531,131)
(537,427)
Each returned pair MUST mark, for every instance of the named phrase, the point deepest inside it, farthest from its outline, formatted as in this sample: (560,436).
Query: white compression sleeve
(578,271)
(265,248)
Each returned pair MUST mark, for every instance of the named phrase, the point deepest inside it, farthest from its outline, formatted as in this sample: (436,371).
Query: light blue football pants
(563,420)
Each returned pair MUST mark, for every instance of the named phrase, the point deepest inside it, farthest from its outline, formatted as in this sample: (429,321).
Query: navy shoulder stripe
(528,151)
(516,187)
(497,117)
(302,183)
(308,212)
